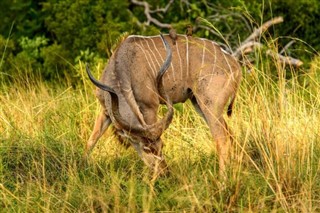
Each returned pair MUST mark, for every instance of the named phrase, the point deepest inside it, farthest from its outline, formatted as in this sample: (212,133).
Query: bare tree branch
(246,48)
(147,12)
(164,10)
(186,2)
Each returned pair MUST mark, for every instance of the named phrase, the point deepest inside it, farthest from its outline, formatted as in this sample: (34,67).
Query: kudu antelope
(131,89)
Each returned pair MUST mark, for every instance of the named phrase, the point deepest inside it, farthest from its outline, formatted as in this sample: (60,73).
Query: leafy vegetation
(48,109)
(68,28)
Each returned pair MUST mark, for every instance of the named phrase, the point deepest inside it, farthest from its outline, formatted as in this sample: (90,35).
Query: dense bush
(51,35)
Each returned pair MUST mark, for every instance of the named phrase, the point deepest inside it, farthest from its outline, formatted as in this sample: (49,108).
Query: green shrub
(55,61)
(7,48)
(51,36)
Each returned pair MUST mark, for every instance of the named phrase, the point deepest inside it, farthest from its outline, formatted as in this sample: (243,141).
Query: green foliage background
(47,111)
(50,36)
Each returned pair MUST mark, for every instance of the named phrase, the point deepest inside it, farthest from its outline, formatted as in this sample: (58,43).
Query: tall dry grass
(275,165)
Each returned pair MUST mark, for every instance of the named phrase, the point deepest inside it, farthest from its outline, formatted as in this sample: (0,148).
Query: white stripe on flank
(147,41)
(162,60)
(229,74)
(230,69)
(215,57)
(180,61)
(203,53)
(145,55)
(214,60)
(187,54)
(173,71)
(202,59)
(154,70)
(154,44)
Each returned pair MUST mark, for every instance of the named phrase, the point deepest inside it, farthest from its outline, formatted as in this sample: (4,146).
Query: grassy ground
(43,129)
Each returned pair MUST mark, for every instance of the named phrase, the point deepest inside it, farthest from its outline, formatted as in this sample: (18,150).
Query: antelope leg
(197,108)
(212,106)
(103,121)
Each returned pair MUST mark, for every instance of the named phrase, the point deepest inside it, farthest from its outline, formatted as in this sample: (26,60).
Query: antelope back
(192,59)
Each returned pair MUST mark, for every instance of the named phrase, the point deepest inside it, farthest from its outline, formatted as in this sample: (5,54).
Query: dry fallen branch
(250,44)
(287,46)
(246,48)
(256,34)
(285,59)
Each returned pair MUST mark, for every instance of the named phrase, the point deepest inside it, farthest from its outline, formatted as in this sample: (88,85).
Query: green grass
(275,166)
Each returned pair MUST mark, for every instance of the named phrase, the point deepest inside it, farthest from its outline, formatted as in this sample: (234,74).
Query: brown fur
(199,70)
